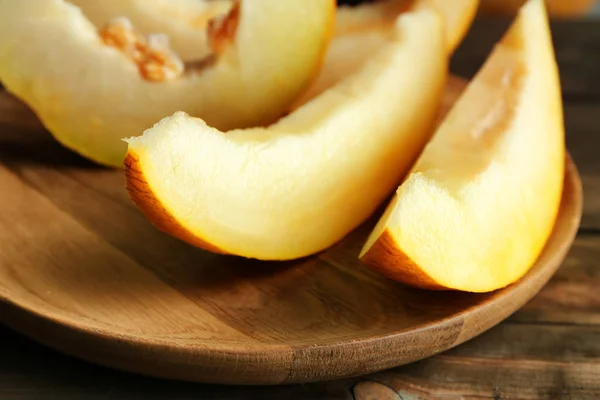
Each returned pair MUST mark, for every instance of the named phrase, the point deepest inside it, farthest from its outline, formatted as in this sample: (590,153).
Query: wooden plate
(82,271)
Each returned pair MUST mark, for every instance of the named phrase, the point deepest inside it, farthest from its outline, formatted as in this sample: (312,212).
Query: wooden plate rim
(98,334)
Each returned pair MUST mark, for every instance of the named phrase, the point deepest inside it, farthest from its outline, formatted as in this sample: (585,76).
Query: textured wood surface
(548,349)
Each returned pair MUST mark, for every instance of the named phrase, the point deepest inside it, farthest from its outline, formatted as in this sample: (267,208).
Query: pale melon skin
(90,96)
(480,203)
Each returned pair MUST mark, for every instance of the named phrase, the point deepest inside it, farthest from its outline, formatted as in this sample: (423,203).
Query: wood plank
(583,141)
(552,344)
(572,296)
(522,361)
(461,378)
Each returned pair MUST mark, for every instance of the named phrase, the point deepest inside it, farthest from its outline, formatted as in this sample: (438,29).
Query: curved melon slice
(480,203)
(300,185)
(184,21)
(362,30)
(90,93)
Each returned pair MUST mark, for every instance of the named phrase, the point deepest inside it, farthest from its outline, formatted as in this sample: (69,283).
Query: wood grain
(512,360)
(571,297)
(83,271)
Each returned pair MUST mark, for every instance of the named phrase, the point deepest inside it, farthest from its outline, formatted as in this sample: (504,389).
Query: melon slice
(297,187)
(184,21)
(480,203)
(92,90)
(362,30)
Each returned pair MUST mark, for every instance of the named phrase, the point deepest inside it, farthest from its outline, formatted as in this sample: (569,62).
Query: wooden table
(548,350)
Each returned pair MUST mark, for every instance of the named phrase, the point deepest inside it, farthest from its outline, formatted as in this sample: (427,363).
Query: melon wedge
(480,203)
(184,21)
(362,30)
(297,187)
(92,90)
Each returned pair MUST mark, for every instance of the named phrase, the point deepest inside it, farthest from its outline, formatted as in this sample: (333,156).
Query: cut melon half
(183,21)
(299,186)
(362,30)
(477,208)
(92,89)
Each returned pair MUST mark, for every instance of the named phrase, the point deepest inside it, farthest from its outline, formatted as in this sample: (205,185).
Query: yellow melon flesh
(184,21)
(90,94)
(480,203)
(362,30)
(300,185)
